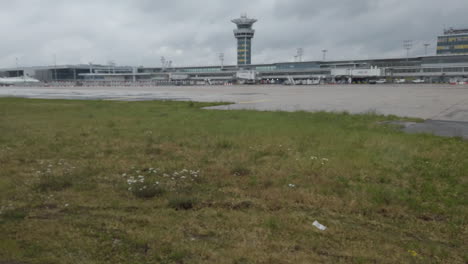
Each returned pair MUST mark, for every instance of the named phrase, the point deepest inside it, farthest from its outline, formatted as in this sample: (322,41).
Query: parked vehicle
(381,81)
(457,81)
(418,81)
(400,81)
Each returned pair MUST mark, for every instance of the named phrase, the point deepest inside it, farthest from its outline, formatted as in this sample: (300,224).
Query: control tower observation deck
(244,34)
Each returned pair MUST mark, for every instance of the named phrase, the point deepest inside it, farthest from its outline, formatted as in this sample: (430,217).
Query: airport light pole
(426,45)
(91,69)
(324,54)
(407,44)
(55,67)
(163,62)
(17,67)
(111,66)
(221,58)
(300,53)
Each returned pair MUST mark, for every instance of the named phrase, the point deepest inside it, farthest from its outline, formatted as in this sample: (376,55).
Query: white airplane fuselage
(8,81)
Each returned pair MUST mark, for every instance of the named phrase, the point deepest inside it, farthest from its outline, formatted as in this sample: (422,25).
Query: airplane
(8,81)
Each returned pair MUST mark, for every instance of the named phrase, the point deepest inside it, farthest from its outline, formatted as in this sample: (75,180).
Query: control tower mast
(244,34)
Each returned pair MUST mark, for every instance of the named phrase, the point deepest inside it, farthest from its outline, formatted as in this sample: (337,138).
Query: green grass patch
(169,182)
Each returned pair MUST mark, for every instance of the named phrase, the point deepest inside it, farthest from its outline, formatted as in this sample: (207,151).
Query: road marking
(254,102)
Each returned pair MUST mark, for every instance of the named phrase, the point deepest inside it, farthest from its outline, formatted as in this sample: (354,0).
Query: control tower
(244,34)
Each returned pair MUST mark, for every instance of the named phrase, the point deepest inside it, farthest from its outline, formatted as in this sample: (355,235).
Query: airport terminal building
(440,68)
(450,63)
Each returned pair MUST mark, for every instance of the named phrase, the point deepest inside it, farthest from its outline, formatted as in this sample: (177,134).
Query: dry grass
(71,188)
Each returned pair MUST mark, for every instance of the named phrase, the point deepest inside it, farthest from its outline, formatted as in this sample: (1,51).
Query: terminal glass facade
(195,70)
(266,68)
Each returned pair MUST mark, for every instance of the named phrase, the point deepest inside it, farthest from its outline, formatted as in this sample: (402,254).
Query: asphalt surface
(435,127)
(435,103)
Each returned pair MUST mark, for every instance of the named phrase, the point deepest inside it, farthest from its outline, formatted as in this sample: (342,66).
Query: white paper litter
(319,226)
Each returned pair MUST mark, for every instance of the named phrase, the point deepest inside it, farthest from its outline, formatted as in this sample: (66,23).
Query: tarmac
(444,107)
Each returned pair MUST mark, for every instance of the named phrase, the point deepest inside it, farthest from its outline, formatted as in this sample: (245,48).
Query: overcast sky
(189,32)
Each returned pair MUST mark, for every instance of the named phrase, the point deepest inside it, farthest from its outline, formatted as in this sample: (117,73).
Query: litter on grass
(319,226)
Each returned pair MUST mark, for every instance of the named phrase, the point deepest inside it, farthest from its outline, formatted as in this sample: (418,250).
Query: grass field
(167,182)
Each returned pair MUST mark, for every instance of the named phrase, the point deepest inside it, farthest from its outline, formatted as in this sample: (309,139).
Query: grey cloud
(135,32)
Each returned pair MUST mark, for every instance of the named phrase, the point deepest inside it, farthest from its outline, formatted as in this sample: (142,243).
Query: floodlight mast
(221,59)
(300,53)
(55,67)
(17,67)
(163,63)
(324,54)
(407,44)
(426,45)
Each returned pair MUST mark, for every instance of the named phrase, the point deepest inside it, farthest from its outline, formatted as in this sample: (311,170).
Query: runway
(426,101)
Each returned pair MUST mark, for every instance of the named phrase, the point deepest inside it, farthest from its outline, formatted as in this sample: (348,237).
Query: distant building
(244,34)
(440,68)
(454,41)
